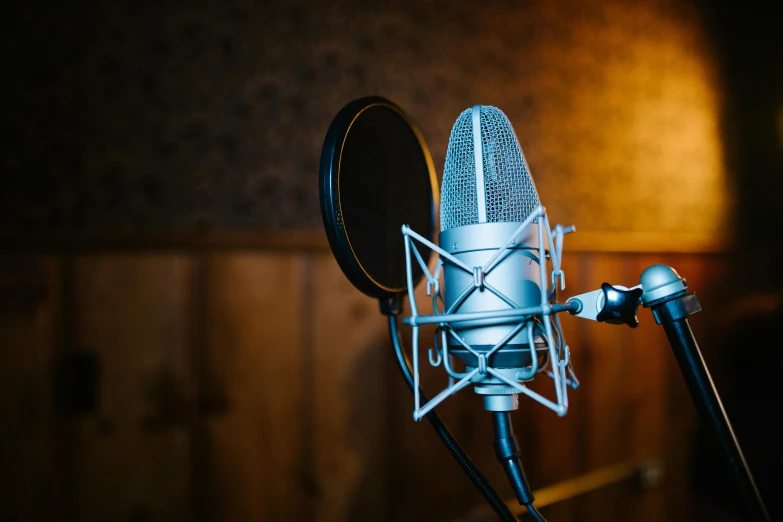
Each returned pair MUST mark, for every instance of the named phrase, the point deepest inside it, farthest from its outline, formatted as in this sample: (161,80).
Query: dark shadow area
(747,335)
(748,39)
(751,363)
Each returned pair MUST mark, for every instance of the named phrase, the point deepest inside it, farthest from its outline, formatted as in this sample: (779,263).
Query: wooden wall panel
(255,447)
(132,453)
(262,386)
(351,357)
(29,466)
(601,360)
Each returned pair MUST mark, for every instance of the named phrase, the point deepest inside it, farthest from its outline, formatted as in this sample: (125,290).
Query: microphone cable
(462,458)
(508,453)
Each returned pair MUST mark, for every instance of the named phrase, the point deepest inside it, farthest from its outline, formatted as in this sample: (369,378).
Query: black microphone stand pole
(665,293)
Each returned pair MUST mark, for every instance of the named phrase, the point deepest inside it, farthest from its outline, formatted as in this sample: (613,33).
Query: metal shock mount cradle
(500,383)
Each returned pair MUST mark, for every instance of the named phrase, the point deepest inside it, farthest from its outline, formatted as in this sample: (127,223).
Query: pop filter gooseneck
(376,174)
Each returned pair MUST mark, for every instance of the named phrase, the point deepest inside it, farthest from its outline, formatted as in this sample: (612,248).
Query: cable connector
(508,453)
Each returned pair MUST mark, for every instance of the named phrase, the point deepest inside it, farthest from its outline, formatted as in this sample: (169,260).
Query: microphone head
(510,194)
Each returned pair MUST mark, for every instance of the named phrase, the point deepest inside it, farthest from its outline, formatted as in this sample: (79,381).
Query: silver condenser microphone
(487,194)
(495,309)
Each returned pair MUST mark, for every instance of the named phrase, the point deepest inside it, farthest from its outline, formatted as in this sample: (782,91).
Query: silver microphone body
(487,194)
(515,276)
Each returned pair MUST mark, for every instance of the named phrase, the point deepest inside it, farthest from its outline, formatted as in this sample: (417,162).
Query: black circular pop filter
(376,175)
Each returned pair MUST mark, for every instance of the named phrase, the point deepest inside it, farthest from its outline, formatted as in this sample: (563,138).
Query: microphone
(488,196)
(487,193)
(498,314)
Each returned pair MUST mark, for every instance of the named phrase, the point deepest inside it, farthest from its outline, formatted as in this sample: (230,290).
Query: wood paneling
(132,452)
(351,356)
(254,450)
(29,466)
(604,355)
(262,386)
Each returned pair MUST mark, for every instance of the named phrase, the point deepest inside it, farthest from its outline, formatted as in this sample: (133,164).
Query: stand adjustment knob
(619,305)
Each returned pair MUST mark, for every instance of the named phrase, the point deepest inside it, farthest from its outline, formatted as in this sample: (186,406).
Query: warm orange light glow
(628,140)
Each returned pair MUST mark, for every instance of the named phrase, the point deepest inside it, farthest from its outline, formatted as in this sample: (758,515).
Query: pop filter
(376,175)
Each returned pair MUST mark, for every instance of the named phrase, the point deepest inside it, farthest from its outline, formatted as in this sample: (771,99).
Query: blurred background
(177,342)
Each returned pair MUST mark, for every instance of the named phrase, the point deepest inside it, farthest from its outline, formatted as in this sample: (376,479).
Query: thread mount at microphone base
(501,402)
(497,396)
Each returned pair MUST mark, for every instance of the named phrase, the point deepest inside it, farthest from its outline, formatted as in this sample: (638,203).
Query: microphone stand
(666,295)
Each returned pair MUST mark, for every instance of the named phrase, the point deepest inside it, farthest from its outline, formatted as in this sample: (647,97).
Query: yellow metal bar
(647,471)
(590,481)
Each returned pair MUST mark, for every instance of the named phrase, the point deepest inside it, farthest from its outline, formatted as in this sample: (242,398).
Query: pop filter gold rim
(331,195)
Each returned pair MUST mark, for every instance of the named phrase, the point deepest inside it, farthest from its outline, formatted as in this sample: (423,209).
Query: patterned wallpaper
(211,115)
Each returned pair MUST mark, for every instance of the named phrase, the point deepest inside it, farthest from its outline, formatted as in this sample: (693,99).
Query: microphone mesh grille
(509,189)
